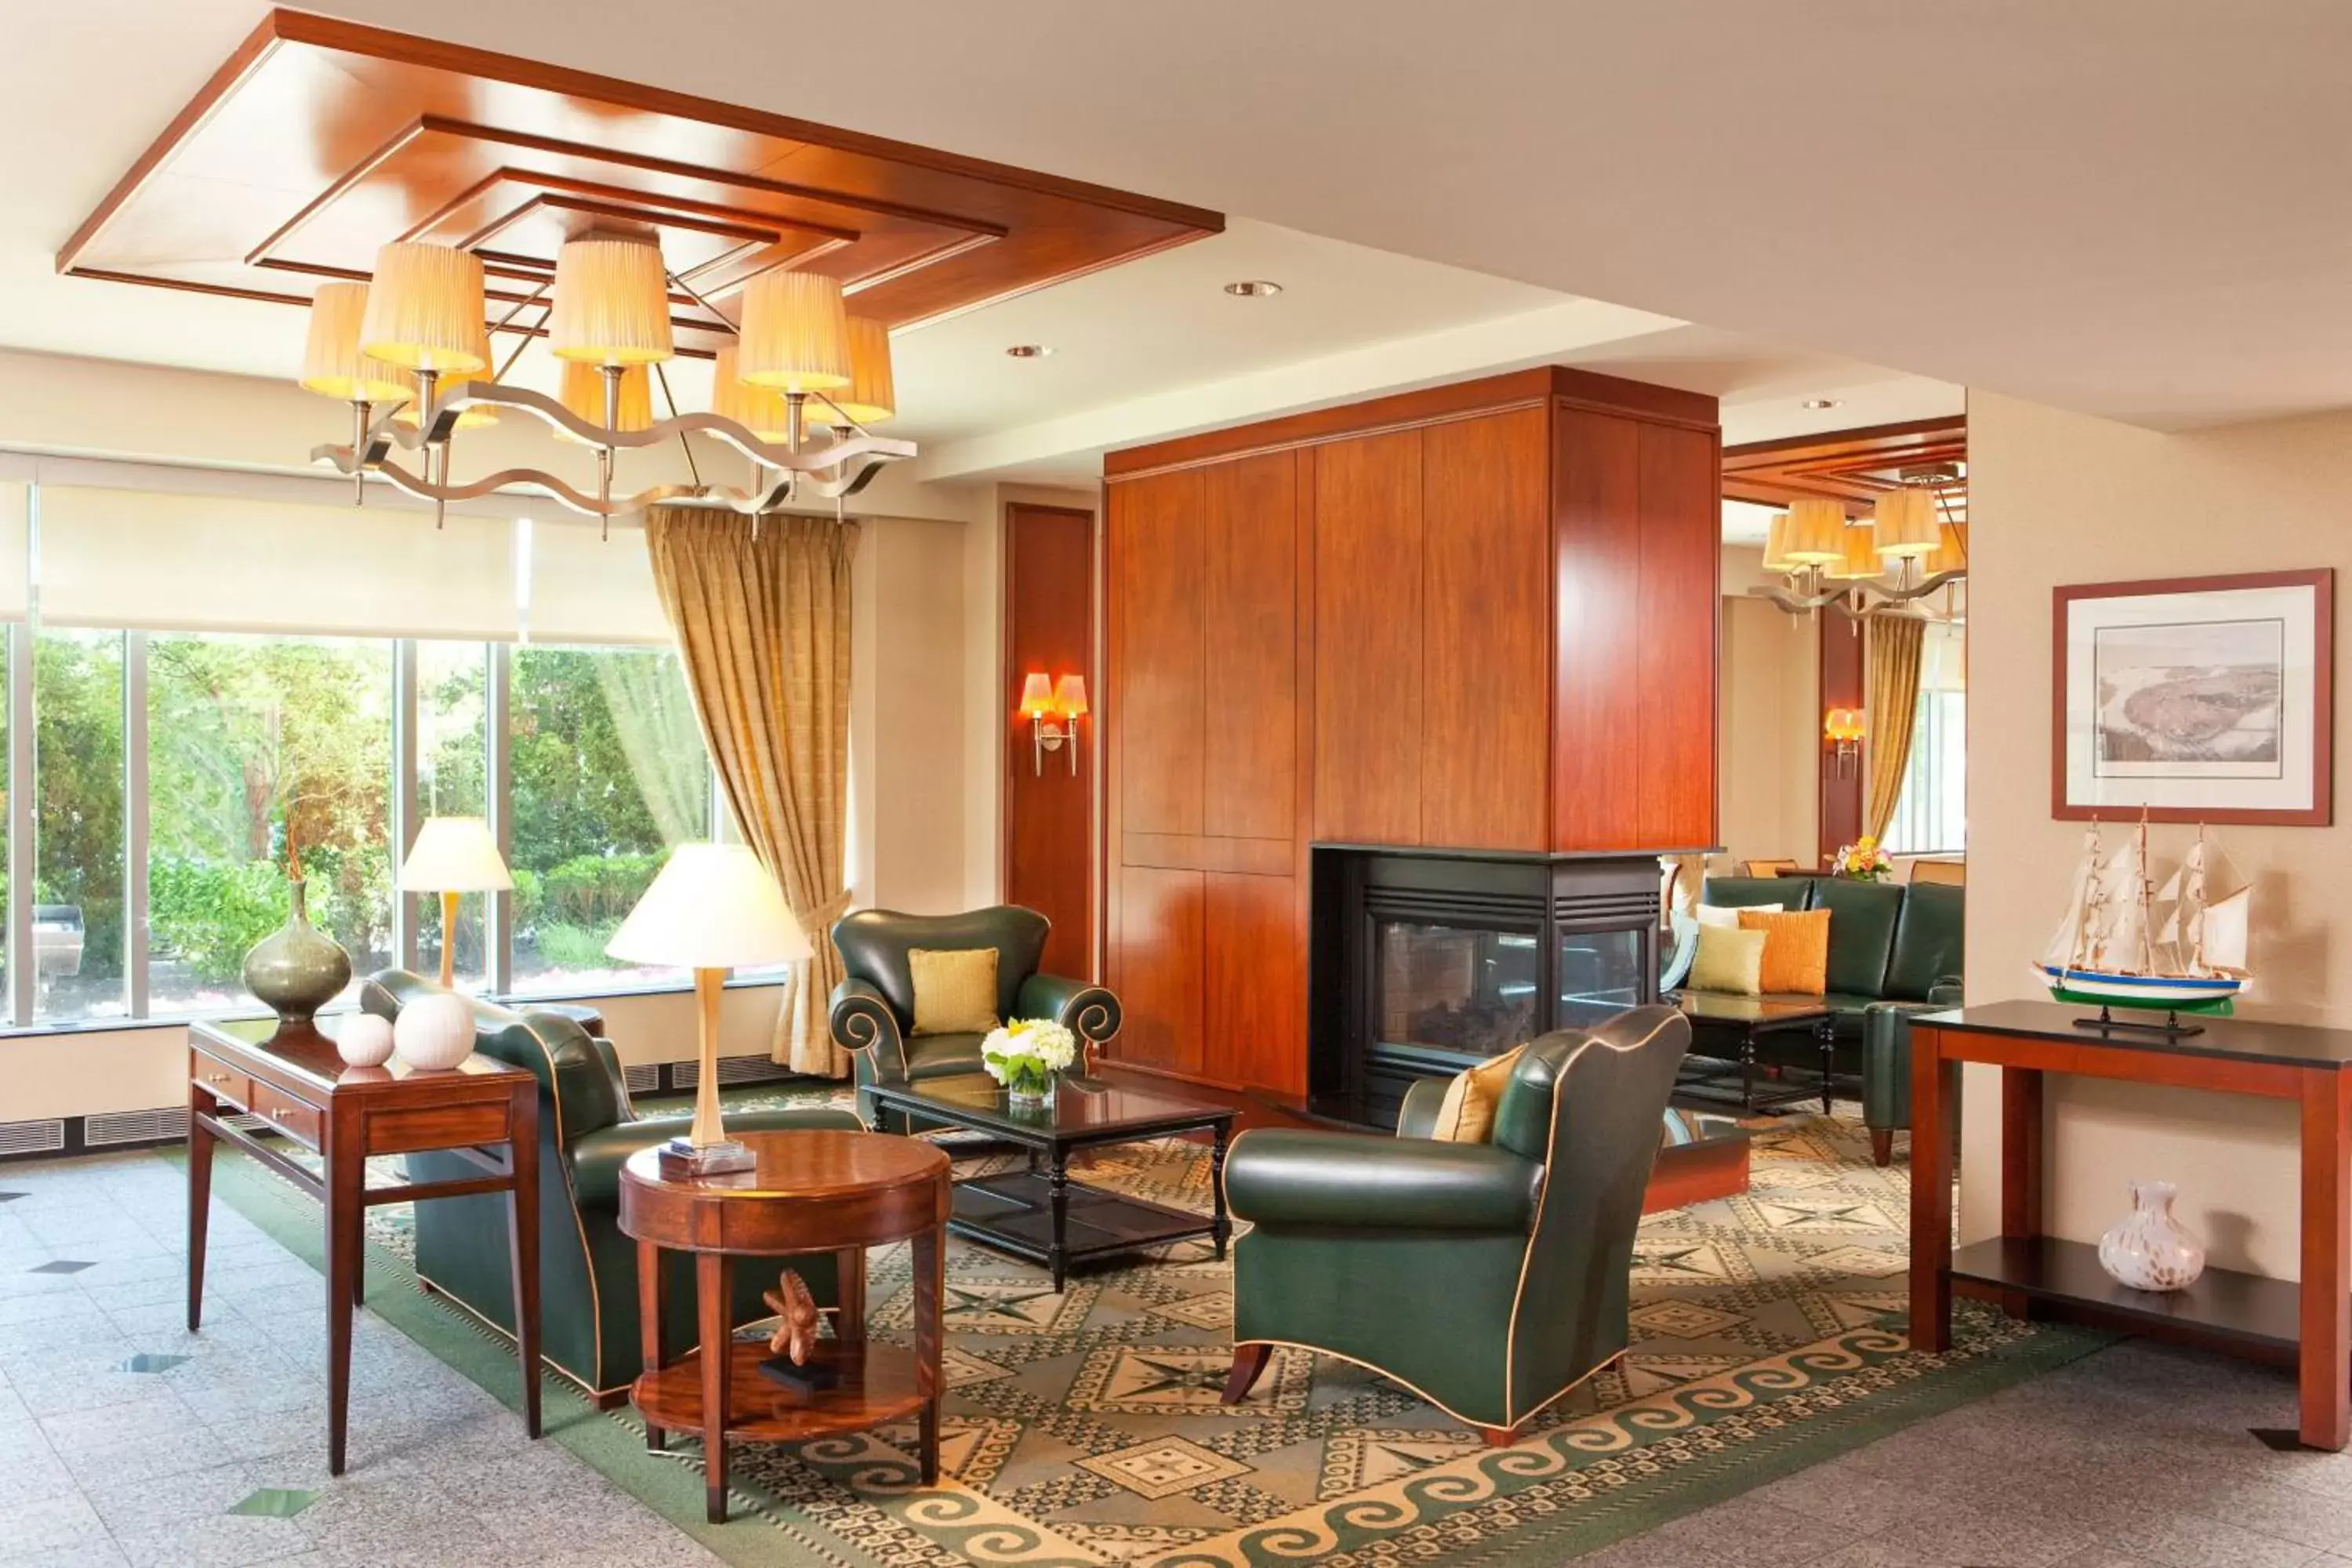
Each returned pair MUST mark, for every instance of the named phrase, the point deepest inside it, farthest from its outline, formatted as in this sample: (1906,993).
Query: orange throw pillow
(1796,950)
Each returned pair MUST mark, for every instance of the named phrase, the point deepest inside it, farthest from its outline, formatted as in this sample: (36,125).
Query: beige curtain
(1891,698)
(762,628)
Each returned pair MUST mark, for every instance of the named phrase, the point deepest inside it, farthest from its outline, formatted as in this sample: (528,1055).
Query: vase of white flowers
(1024,1056)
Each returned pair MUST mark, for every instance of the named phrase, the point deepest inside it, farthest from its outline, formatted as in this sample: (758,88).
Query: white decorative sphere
(364,1040)
(434,1033)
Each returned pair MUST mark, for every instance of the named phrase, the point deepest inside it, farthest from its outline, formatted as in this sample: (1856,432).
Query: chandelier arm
(545,314)
(524,400)
(695,295)
(693,469)
(748,502)
(525,303)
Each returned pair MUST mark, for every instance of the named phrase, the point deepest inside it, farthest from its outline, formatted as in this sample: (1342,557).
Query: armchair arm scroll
(862,1020)
(1345,1180)
(1090,1012)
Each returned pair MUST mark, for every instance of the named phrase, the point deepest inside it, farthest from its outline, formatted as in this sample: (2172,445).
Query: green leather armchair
(1490,1279)
(587,1268)
(873,1009)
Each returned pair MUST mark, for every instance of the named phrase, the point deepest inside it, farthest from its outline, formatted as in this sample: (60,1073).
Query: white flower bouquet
(1025,1054)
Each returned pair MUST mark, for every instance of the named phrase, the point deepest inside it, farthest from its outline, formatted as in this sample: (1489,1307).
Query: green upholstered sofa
(1894,950)
(873,1009)
(588,1270)
(1489,1278)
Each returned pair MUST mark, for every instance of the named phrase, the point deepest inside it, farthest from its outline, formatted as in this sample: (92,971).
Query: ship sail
(2120,943)
(2223,948)
(2067,942)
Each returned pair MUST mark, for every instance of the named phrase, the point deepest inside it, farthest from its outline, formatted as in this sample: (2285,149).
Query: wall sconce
(1843,729)
(1053,711)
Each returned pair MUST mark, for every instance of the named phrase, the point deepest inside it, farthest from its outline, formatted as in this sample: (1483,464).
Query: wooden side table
(810,1192)
(291,1078)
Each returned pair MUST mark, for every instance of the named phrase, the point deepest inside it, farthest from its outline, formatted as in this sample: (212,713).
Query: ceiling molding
(1853,467)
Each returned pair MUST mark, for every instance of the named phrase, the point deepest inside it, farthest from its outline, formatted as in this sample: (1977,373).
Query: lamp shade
(714,906)
(795,334)
(759,409)
(424,309)
(871,396)
(1070,696)
(1037,695)
(1816,534)
(332,364)
(1951,550)
(1860,556)
(1776,544)
(474,418)
(1906,523)
(454,855)
(583,394)
(612,303)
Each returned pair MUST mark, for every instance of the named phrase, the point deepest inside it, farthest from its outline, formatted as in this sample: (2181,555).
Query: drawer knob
(215,1077)
(281,1113)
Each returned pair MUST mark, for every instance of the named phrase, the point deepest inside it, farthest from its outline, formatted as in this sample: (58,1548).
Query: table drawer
(223,1083)
(297,1119)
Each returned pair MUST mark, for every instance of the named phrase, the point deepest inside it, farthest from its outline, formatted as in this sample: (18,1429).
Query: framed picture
(2196,700)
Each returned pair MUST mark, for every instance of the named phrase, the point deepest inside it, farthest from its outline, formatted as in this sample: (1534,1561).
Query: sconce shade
(1951,550)
(1037,695)
(795,334)
(1906,523)
(759,409)
(454,855)
(1860,557)
(872,395)
(1816,534)
(1070,697)
(1776,545)
(425,309)
(612,303)
(583,394)
(332,364)
(713,906)
(1844,724)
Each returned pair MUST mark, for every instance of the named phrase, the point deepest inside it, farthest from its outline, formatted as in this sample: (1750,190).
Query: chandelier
(1888,562)
(411,353)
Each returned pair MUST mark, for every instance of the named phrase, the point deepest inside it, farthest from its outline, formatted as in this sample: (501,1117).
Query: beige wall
(1767,726)
(2056,498)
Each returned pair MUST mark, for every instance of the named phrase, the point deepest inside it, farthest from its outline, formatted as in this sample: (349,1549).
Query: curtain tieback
(818,921)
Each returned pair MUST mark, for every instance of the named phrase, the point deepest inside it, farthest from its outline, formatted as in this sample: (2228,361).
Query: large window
(453,779)
(1931,814)
(78,952)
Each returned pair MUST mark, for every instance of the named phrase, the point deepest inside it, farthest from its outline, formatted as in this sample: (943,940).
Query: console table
(2022,1266)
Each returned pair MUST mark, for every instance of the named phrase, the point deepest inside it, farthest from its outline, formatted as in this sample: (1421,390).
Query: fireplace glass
(1454,988)
(1600,976)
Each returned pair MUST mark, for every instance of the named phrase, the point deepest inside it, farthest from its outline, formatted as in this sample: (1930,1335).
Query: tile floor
(2137,1458)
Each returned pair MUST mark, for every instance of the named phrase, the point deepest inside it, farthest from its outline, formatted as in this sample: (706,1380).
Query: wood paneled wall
(1048,818)
(1478,617)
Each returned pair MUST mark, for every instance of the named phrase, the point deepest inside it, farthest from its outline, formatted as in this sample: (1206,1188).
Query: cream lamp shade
(872,394)
(332,364)
(612,303)
(425,309)
(583,394)
(1070,696)
(759,409)
(1951,550)
(1906,524)
(713,906)
(1860,557)
(454,855)
(1816,534)
(1776,544)
(795,334)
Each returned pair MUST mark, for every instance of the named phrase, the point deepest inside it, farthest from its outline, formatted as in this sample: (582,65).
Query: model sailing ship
(2127,943)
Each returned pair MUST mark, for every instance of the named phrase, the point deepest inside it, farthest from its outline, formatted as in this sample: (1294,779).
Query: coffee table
(1043,1215)
(1715,1015)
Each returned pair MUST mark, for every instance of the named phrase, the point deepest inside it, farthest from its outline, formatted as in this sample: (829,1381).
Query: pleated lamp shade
(759,409)
(795,334)
(583,394)
(332,364)
(424,309)
(1860,556)
(1951,550)
(1776,544)
(480,414)
(871,396)
(1906,524)
(612,303)
(1816,534)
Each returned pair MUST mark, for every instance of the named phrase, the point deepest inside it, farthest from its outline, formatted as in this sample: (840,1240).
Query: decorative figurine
(795,1340)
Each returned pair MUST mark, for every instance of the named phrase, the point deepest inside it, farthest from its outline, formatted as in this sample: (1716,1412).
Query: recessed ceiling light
(1253,288)
(1028,350)
(1821,403)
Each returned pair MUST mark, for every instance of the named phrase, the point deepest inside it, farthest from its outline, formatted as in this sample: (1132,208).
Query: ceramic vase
(297,969)
(2148,1249)
(364,1040)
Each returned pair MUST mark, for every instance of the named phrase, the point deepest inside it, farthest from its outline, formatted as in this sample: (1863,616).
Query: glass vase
(2148,1249)
(1028,1086)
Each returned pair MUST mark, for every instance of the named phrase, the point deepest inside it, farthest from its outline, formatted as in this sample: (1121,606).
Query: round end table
(809,1192)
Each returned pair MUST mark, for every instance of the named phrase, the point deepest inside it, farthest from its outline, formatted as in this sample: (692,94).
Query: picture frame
(2195,700)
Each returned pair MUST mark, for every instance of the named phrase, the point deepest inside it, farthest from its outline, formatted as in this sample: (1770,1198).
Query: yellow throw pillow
(1729,960)
(955,990)
(1466,1114)
(1796,950)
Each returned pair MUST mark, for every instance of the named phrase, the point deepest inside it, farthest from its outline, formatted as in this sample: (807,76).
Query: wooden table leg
(849,1274)
(200,1198)
(2326,1315)
(931,1333)
(649,1326)
(1934,1085)
(713,1289)
(2021,1167)
(1057,1210)
(1220,1222)
(522,1243)
(346,1234)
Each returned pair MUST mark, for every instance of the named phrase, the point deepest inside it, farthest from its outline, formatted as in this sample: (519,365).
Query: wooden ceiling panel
(318,141)
(1854,466)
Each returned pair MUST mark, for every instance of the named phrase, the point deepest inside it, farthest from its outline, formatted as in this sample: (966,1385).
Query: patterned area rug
(1085,1428)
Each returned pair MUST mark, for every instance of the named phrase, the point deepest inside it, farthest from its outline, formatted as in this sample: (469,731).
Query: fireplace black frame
(1355,1078)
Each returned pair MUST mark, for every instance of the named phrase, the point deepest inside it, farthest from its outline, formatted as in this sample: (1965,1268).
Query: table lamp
(714,908)
(452,856)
